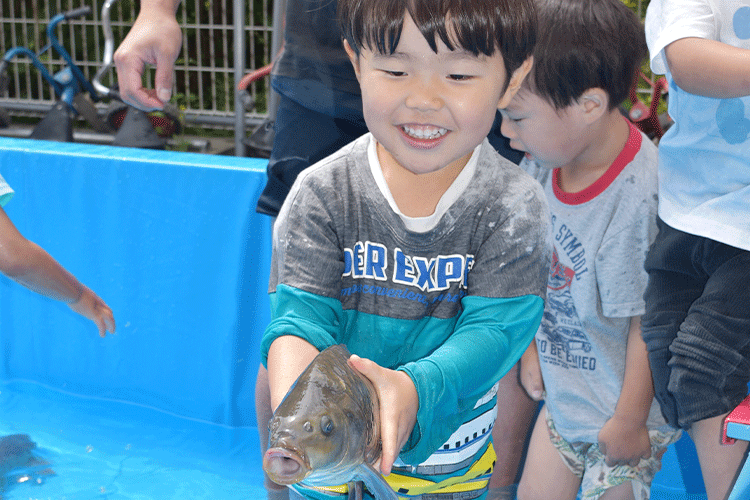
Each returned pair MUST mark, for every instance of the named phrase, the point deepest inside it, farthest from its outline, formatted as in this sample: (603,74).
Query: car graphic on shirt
(560,305)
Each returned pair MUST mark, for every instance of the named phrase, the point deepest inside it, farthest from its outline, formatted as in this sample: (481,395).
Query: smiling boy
(418,246)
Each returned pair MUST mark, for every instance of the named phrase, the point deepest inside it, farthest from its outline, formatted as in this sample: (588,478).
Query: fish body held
(326,431)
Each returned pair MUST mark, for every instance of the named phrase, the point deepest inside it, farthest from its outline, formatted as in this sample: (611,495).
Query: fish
(326,431)
(19,463)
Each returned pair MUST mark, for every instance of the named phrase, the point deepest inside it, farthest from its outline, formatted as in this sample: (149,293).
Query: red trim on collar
(632,146)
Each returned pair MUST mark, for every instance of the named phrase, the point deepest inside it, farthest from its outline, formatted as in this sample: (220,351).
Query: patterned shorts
(586,461)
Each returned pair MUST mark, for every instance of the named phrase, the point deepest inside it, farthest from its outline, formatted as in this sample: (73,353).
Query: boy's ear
(516,80)
(352,57)
(593,104)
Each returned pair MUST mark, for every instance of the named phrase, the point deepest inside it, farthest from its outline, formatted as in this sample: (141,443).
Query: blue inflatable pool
(164,409)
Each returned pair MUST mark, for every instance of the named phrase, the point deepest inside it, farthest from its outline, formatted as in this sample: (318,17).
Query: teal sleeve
(6,193)
(315,318)
(489,339)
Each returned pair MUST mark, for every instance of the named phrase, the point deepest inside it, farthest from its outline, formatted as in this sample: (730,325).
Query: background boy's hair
(478,26)
(586,44)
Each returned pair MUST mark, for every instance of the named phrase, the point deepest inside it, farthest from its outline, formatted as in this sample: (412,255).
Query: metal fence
(205,70)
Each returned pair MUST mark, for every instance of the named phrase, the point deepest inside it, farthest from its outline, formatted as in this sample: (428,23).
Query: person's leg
(545,474)
(672,288)
(623,491)
(263,415)
(710,363)
(719,463)
(515,414)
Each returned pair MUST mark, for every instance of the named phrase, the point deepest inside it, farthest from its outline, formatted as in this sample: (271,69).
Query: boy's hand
(530,373)
(398,407)
(624,442)
(92,307)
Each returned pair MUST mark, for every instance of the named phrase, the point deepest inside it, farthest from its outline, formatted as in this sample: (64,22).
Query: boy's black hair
(478,26)
(586,44)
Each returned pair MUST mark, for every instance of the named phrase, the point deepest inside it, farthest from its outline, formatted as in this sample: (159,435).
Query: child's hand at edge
(399,403)
(530,373)
(90,306)
(623,441)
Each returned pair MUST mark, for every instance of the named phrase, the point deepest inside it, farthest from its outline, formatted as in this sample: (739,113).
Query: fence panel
(204,71)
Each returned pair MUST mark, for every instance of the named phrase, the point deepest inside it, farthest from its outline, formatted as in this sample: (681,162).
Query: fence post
(239,70)
(277,39)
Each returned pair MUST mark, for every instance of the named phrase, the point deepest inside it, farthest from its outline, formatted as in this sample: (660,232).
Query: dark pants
(302,137)
(697,325)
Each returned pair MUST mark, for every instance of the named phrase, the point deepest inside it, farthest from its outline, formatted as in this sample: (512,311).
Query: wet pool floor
(88,448)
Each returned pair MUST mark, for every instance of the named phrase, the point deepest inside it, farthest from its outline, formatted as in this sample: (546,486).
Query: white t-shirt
(704,158)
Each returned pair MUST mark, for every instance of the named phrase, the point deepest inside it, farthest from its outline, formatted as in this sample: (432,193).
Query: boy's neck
(417,195)
(604,141)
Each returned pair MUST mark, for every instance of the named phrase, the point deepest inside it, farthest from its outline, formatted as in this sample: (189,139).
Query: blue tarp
(172,243)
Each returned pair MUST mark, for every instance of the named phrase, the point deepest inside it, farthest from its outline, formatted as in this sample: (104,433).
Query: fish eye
(326,425)
(307,426)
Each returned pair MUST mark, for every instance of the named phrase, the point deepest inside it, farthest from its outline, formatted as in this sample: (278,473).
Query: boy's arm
(709,68)
(31,266)
(488,340)
(624,438)
(530,373)
(288,357)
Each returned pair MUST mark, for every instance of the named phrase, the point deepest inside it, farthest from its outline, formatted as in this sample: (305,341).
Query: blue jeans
(697,325)
(302,137)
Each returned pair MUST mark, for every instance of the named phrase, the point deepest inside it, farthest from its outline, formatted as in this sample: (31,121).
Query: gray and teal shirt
(453,299)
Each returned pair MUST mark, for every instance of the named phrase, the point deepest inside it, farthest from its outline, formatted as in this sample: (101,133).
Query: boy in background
(697,321)
(600,430)
(418,246)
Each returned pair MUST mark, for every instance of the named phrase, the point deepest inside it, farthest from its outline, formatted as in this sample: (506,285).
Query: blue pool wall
(172,243)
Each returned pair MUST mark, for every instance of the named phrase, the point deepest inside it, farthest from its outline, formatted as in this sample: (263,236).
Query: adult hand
(155,38)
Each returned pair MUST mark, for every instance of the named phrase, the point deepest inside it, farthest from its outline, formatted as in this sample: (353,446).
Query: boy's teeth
(431,133)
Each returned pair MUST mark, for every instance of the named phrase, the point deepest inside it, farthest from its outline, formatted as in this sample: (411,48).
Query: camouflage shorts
(586,461)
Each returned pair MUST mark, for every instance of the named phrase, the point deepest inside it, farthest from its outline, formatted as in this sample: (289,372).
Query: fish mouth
(284,467)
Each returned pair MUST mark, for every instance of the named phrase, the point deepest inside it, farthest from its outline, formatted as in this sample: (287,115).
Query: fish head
(305,447)
(325,426)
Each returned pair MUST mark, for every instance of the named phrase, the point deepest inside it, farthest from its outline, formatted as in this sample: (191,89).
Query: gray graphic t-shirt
(600,237)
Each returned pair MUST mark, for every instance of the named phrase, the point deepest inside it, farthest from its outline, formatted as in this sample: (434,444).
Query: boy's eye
(506,116)
(459,78)
(394,73)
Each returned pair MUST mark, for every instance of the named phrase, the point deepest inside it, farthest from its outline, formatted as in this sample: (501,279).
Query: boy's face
(547,135)
(429,110)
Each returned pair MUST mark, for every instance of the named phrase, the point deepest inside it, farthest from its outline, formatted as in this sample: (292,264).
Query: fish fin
(375,483)
(355,490)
